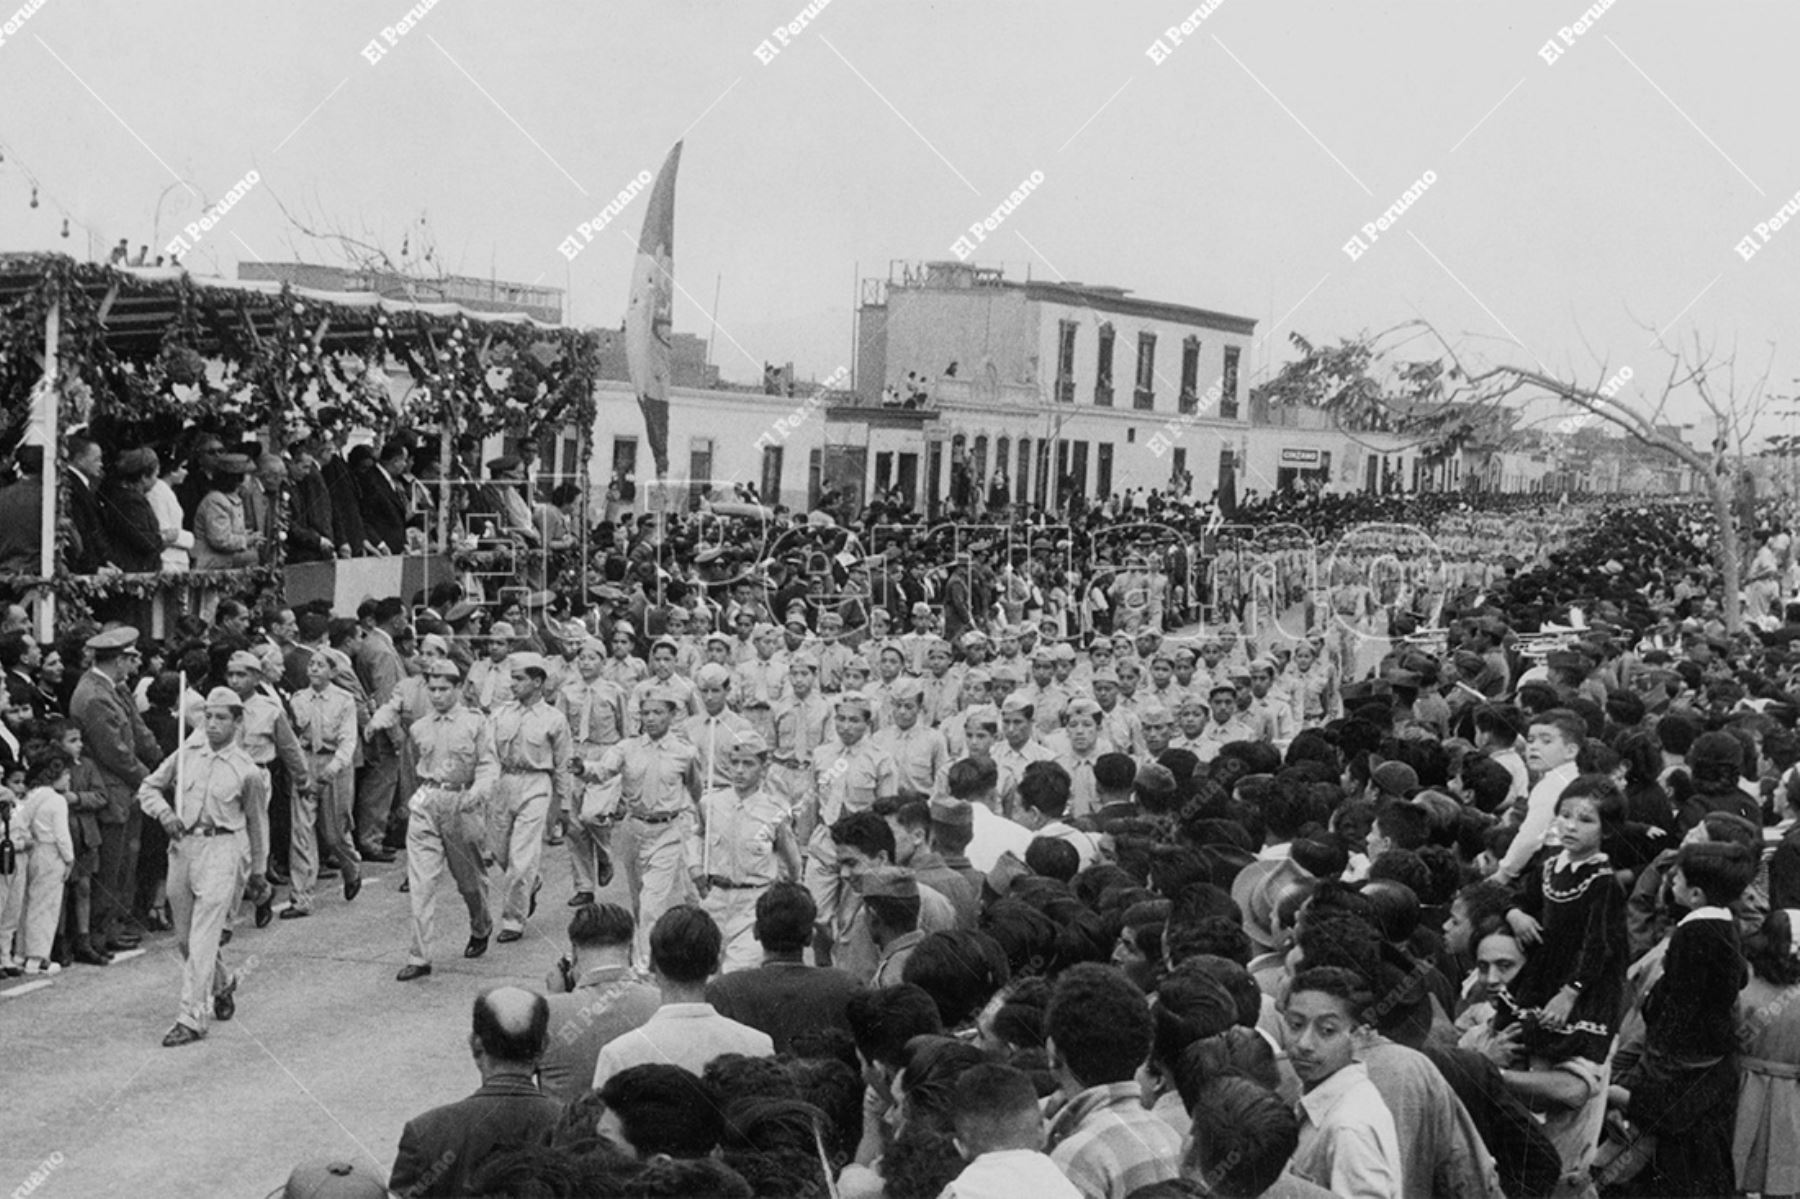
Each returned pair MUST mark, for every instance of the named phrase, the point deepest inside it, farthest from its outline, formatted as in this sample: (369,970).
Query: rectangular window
(1023,491)
(700,464)
(1144,396)
(1228,383)
(771,475)
(1078,471)
(1103,376)
(1103,471)
(1065,362)
(624,467)
(1190,374)
(1178,466)
(815,466)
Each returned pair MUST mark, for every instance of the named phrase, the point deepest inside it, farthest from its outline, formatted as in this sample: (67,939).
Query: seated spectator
(655,1108)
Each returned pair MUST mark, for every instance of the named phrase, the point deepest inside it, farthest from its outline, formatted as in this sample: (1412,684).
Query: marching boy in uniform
(745,842)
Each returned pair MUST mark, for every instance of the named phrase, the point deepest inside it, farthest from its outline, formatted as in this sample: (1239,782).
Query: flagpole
(46,609)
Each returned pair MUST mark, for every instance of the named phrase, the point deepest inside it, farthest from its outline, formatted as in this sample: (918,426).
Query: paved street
(327,1054)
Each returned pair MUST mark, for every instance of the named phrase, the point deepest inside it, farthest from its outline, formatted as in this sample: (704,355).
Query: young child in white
(1000,1133)
(40,835)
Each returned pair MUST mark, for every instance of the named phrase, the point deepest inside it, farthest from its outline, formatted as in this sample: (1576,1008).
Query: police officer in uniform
(457,769)
(218,848)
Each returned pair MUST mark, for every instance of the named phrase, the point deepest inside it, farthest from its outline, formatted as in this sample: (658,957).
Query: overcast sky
(1578,206)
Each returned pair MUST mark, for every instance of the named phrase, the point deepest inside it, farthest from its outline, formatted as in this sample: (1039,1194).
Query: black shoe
(411,971)
(352,885)
(476,947)
(509,935)
(180,1035)
(225,1002)
(383,856)
(277,878)
(405,886)
(265,912)
(603,867)
(225,937)
(293,913)
(87,955)
(535,888)
(118,943)
(581,899)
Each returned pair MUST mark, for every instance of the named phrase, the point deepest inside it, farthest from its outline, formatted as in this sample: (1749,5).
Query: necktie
(587,708)
(712,747)
(314,724)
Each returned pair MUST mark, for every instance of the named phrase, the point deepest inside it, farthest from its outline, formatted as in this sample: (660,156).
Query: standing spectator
(379,669)
(685,1031)
(340,483)
(262,498)
(605,999)
(1097,1031)
(21,514)
(164,501)
(784,997)
(132,535)
(1766,1152)
(1348,1141)
(40,834)
(87,554)
(311,536)
(223,540)
(120,746)
(441,1150)
(1000,1132)
(382,489)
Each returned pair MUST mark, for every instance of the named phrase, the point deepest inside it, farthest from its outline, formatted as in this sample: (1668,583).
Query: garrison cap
(245,660)
(888,882)
(224,697)
(113,640)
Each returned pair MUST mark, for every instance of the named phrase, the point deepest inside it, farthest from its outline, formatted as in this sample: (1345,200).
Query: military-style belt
(209,830)
(725,884)
(524,770)
(437,786)
(654,817)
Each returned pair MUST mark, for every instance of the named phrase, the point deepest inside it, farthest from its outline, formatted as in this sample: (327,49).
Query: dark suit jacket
(309,516)
(784,998)
(115,738)
(346,506)
(21,518)
(131,536)
(441,1150)
(83,506)
(383,509)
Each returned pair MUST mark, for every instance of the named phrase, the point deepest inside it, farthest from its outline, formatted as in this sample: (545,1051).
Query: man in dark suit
(121,747)
(784,996)
(21,515)
(340,484)
(441,1150)
(382,488)
(87,551)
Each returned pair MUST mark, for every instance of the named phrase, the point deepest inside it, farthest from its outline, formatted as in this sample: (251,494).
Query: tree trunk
(1727,550)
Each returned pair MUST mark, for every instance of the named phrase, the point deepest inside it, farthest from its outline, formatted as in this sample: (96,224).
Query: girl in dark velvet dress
(1571,911)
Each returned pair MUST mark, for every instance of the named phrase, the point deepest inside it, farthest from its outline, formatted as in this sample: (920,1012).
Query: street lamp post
(156,222)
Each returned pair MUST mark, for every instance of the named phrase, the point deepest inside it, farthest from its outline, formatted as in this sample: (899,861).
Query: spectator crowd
(901,868)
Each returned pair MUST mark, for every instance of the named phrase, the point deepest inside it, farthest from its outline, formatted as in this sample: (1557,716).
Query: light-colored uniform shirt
(739,838)
(656,777)
(713,737)
(851,780)
(325,723)
(532,741)
(801,726)
(455,751)
(919,753)
(218,788)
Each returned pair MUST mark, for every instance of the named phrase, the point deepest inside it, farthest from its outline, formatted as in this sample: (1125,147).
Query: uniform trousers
(319,817)
(654,857)
(586,843)
(444,831)
(32,904)
(376,791)
(206,876)
(822,878)
(516,819)
(733,909)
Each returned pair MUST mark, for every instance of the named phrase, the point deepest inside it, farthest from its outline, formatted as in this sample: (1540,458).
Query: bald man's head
(511,1023)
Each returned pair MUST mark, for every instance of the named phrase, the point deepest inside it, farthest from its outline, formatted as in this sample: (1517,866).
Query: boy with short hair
(1000,1133)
